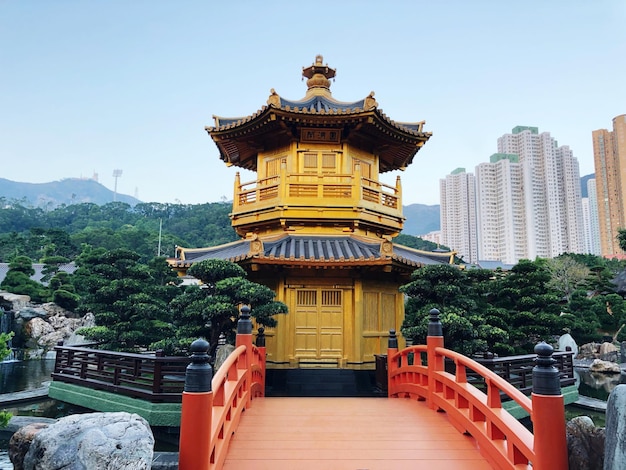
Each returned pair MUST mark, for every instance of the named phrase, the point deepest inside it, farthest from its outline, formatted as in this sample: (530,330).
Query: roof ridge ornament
(318,74)
(274,99)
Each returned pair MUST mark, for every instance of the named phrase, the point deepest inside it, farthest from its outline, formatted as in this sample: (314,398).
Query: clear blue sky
(101,85)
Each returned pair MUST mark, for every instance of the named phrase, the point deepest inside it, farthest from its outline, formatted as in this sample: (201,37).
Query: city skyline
(97,87)
(524,203)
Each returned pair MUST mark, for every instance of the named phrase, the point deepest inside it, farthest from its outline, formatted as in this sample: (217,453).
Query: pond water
(17,376)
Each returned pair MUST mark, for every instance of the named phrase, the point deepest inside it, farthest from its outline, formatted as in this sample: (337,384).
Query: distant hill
(68,191)
(421,219)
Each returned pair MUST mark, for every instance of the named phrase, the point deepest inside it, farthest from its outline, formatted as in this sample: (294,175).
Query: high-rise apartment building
(500,209)
(609,157)
(458,214)
(590,220)
(527,202)
(551,187)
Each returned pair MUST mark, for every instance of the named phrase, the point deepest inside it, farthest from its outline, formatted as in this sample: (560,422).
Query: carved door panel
(318,323)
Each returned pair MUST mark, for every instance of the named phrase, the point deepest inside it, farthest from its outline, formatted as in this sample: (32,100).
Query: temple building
(317,224)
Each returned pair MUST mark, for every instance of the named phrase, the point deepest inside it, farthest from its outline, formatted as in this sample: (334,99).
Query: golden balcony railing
(311,189)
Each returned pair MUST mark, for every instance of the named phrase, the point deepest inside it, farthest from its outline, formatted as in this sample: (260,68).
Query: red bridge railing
(418,372)
(212,406)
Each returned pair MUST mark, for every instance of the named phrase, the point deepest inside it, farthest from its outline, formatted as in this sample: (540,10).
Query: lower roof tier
(307,250)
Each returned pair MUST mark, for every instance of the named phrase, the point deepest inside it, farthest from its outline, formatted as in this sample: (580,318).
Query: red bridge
(433,418)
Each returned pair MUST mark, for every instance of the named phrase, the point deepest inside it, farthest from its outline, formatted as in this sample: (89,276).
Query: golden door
(318,324)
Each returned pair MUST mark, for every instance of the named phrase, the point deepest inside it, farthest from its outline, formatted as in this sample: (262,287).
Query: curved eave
(236,251)
(240,139)
(410,255)
(312,252)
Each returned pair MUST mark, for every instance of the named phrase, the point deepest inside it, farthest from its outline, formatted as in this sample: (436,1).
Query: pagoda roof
(312,250)
(362,123)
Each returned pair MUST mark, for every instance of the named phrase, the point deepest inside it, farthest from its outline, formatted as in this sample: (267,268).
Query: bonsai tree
(461,297)
(18,280)
(130,305)
(212,308)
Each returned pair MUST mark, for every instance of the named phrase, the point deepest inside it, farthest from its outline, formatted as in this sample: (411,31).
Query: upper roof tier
(362,124)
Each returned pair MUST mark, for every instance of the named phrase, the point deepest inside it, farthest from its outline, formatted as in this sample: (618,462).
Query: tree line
(143,228)
(508,312)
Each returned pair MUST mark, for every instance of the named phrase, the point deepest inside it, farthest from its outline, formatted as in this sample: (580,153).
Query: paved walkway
(349,433)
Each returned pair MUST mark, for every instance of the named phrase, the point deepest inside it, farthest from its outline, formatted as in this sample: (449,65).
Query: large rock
(604,367)
(93,441)
(615,446)
(18,301)
(608,352)
(585,444)
(35,329)
(54,310)
(41,336)
(28,313)
(566,341)
(20,443)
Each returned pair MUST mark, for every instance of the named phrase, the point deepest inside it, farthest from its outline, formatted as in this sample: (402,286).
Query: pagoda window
(310,162)
(319,163)
(366,168)
(272,167)
(329,163)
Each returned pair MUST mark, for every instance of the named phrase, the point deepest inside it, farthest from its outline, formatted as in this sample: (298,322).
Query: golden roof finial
(318,74)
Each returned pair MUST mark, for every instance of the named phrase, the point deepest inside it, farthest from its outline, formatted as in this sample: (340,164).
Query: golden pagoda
(317,224)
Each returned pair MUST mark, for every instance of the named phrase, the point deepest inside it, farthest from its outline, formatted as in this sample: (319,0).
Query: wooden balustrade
(151,377)
(328,186)
(210,414)
(517,370)
(419,372)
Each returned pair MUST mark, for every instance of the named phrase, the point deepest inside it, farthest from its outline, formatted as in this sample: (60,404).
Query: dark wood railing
(517,370)
(150,377)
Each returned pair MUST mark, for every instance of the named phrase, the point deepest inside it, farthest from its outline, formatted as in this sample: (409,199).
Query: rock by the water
(566,341)
(35,329)
(17,300)
(92,441)
(585,444)
(588,351)
(28,313)
(17,422)
(604,367)
(615,446)
(20,443)
(54,310)
(608,352)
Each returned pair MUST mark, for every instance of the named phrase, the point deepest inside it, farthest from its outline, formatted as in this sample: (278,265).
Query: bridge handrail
(210,416)
(418,372)
(230,393)
(462,363)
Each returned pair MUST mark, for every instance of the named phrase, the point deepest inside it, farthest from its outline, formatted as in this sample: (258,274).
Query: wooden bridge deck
(349,433)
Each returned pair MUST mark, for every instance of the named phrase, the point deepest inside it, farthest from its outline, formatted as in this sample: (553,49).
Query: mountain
(421,219)
(67,191)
